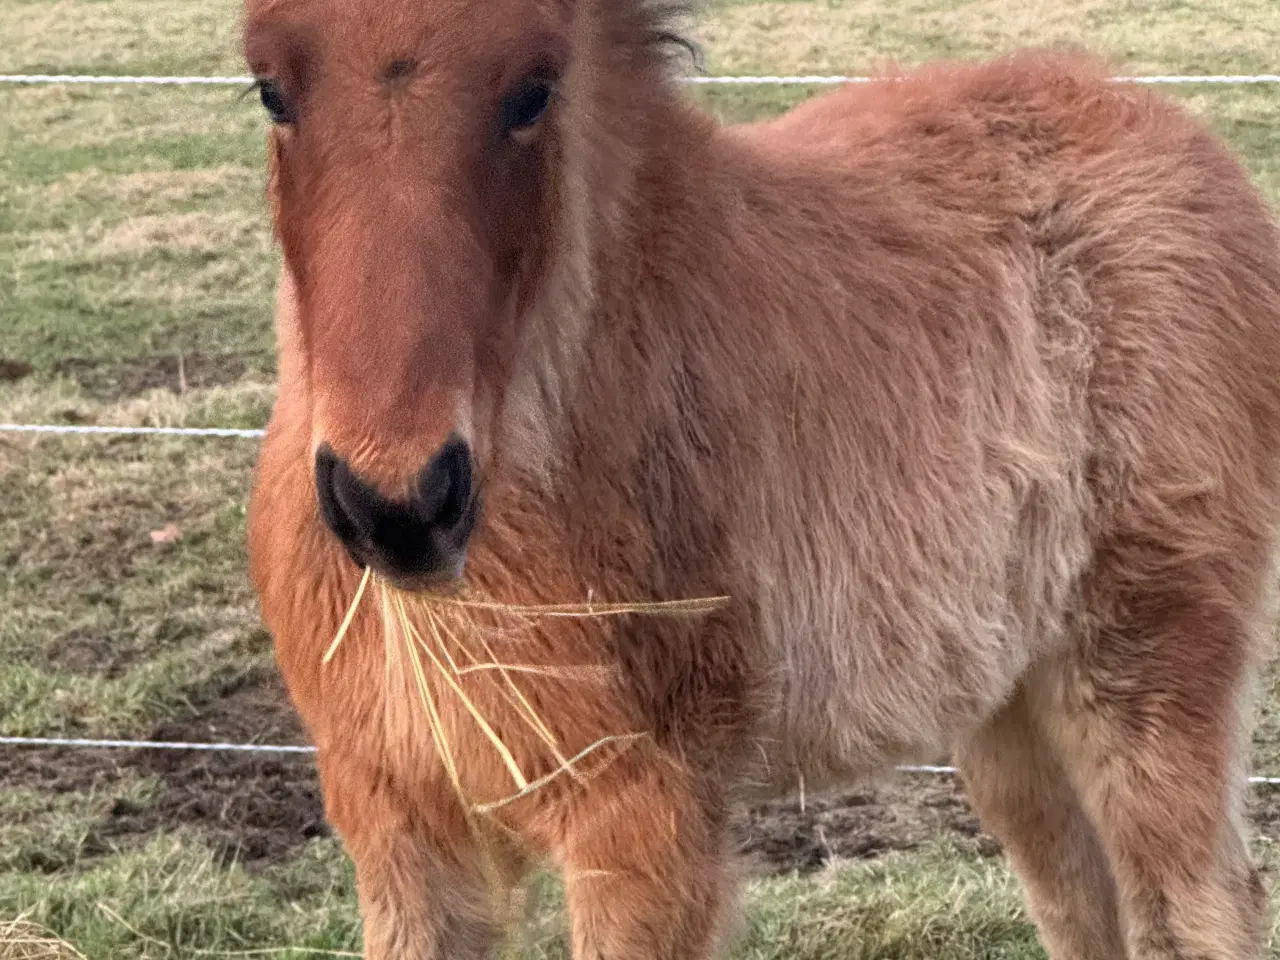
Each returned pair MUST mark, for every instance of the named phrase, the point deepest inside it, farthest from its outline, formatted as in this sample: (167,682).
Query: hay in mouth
(454,648)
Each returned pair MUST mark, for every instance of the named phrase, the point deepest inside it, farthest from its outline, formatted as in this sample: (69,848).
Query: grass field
(135,288)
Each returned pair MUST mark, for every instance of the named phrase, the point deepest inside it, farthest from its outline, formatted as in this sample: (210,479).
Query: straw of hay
(23,939)
(394,616)
(351,613)
(442,646)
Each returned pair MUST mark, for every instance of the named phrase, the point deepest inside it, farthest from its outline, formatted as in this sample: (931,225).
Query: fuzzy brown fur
(965,388)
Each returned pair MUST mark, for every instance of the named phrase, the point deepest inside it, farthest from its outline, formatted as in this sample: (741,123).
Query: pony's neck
(627,179)
(602,422)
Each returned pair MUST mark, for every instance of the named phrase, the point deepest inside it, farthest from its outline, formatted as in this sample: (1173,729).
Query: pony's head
(429,163)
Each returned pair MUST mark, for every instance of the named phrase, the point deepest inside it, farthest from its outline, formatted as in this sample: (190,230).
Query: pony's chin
(448,582)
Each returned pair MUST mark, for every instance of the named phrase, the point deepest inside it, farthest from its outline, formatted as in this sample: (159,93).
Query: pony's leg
(1150,731)
(423,895)
(1021,795)
(645,872)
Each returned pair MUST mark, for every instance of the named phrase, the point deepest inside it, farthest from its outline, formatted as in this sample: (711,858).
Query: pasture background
(135,288)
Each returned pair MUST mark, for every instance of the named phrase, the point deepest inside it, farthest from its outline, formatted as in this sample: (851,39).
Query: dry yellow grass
(427,635)
(200,37)
(1226,36)
(144,234)
(21,939)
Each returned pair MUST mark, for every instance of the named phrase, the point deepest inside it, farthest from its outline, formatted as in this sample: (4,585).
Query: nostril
(331,509)
(361,517)
(361,504)
(444,487)
(424,534)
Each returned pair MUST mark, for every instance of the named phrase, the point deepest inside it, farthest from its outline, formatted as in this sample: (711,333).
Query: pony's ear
(680,43)
(663,28)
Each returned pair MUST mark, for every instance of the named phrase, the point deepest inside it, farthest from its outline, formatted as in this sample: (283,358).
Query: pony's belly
(850,709)
(893,644)
(849,740)
(781,778)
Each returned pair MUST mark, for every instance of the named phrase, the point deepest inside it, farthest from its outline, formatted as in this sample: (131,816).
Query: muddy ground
(257,808)
(115,379)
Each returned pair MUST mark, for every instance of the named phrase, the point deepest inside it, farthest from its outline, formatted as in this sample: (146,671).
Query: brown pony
(964,388)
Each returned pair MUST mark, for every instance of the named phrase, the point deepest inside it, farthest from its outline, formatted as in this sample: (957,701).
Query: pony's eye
(526,105)
(273,99)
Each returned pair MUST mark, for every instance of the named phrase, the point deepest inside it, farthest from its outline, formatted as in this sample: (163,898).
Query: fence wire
(87,744)
(797,80)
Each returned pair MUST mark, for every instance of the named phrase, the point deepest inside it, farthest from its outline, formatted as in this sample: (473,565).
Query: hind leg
(1150,732)
(1022,796)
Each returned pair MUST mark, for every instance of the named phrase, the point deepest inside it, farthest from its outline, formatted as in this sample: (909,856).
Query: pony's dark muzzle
(414,541)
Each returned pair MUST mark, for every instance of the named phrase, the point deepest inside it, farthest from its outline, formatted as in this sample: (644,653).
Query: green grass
(133,241)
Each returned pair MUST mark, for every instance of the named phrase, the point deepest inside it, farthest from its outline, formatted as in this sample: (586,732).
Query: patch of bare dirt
(858,824)
(120,379)
(85,652)
(59,770)
(253,807)
(11,370)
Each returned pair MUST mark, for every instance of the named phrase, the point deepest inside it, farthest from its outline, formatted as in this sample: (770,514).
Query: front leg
(645,869)
(425,893)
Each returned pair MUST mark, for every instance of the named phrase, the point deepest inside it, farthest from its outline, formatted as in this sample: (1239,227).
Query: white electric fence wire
(130,431)
(85,744)
(800,80)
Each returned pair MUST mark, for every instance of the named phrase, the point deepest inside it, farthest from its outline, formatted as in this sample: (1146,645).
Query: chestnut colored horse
(964,388)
